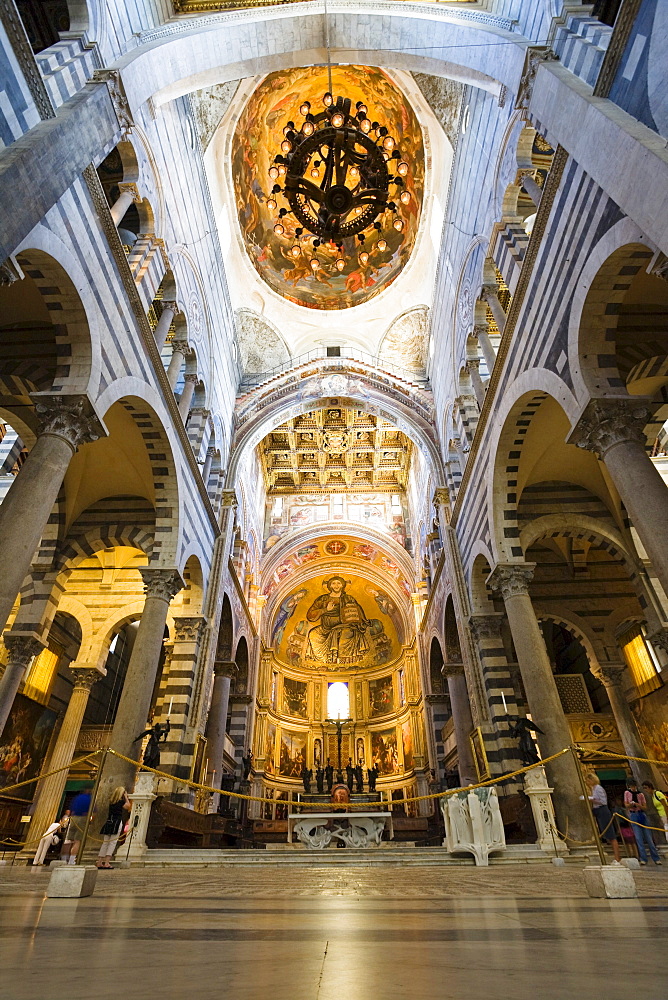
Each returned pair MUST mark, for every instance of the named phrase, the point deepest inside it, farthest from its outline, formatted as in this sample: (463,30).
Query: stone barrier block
(558,862)
(631,862)
(71,882)
(609,882)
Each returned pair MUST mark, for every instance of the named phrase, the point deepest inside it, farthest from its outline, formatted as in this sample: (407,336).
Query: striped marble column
(177,695)
(502,752)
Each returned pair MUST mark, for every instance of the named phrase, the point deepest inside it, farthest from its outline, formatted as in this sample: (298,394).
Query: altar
(353,829)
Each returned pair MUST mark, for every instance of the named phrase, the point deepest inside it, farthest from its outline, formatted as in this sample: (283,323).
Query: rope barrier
(625,756)
(627,819)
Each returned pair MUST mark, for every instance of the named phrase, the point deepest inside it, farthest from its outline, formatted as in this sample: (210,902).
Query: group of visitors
(68,830)
(635,806)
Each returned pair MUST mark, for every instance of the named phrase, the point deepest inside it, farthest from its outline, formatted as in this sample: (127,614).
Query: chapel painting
(292,755)
(257,139)
(381,696)
(333,623)
(385,752)
(25,741)
(294,698)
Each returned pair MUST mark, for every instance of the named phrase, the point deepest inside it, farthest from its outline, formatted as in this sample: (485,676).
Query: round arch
(155,71)
(306,389)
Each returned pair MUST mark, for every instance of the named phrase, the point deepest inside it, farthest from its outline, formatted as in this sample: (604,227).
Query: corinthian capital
(188,629)
(611,421)
(486,627)
(660,639)
(511,579)
(441,496)
(21,648)
(225,668)
(162,583)
(489,291)
(228,498)
(610,674)
(85,677)
(68,417)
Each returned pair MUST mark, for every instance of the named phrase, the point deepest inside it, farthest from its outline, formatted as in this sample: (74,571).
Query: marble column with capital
(481,331)
(50,790)
(499,687)
(180,351)
(489,294)
(473,368)
(612,676)
(462,721)
(216,723)
(169,311)
(186,397)
(128,195)
(21,649)
(613,428)
(64,424)
(161,584)
(512,581)
(178,693)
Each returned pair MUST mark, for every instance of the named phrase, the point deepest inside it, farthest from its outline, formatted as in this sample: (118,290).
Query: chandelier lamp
(341,172)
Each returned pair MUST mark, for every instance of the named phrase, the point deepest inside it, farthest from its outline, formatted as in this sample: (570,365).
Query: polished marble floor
(356,934)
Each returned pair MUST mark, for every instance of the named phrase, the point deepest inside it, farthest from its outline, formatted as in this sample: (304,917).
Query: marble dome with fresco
(370,266)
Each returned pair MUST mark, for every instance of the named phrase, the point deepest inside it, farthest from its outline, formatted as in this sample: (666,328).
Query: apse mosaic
(335,622)
(259,134)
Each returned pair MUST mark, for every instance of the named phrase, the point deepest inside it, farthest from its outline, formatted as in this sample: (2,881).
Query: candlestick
(505,709)
(169,710)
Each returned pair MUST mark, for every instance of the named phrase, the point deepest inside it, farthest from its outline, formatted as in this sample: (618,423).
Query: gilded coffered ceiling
(335,449)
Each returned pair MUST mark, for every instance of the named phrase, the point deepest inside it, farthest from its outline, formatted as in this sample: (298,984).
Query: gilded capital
(511,579)
(441,496)
(68,417)
(611,421)
(162,583)
(228,498)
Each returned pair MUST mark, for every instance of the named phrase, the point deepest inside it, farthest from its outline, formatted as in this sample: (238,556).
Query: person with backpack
(660,803)
(636,804)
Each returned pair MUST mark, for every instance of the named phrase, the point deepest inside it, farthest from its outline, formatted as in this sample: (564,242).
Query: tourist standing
(79,807)
(636,804)
(660,803)
(113,826)
(598,798)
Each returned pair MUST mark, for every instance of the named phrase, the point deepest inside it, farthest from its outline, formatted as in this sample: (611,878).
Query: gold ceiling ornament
(335,449)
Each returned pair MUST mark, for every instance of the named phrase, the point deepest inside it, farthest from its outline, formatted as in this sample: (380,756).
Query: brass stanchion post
(585,794)
(91,807)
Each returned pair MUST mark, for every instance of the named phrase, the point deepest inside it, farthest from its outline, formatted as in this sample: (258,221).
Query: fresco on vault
(257,140)
(332,623)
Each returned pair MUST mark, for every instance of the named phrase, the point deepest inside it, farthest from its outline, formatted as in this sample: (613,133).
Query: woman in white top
(50,838)
(599,804)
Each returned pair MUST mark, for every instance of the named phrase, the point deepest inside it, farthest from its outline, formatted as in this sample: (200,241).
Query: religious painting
(257,139)
(285,612)
(24,743)
(384,751)
(477,742)
(407,745)
(332,623)
(652,716)
(381,696)
(294,698)
(270,748)
(336,547)
(292,754)
(306,554)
